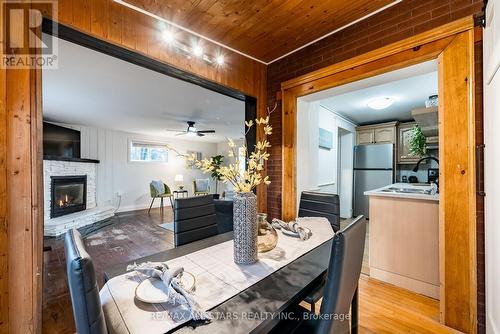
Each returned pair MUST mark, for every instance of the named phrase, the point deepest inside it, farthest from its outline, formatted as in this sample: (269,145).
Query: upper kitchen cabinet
(384,133)
(403,147)
(427,120)
(365,136)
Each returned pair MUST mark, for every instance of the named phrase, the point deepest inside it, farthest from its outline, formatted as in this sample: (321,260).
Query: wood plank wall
(107,20)
(20,149)
(4,316)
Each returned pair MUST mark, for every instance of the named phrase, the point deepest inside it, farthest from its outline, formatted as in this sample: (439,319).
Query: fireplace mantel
(56,158)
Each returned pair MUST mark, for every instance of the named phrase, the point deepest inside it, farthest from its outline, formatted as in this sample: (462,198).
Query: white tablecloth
(218,278)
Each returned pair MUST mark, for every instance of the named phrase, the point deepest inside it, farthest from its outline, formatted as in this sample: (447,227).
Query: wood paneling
(457,178)
(21,254)
(107,20)
(456,135)
(263,29)
(21,221)
(4,242)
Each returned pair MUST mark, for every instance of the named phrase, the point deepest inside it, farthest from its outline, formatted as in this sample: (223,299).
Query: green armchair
(155,193)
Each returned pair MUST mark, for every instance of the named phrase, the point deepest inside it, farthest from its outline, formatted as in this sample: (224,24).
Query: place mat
(218,278)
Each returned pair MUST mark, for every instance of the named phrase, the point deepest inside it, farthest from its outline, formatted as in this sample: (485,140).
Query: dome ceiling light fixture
(380,103)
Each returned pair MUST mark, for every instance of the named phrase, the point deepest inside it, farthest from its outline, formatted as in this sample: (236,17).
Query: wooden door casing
(457,39)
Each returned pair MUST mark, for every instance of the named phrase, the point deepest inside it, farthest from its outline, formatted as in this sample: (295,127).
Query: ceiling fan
(192,131)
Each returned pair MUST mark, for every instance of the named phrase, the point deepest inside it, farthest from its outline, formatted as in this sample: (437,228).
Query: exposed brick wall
(401,21)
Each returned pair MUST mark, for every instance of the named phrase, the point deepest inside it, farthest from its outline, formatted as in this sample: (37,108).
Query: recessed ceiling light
(220,60)
(168,36)
(197,50)
(379,103)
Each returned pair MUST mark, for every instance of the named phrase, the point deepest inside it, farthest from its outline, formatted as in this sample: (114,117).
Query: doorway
(453,46)
(345,171)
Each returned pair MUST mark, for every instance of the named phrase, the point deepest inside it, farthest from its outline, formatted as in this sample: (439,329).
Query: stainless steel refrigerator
(373,168)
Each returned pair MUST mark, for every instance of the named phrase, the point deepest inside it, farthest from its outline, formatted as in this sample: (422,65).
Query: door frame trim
(456,311)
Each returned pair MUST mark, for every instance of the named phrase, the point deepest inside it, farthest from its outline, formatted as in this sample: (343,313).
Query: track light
(197,50)
(220,60)
(168,36)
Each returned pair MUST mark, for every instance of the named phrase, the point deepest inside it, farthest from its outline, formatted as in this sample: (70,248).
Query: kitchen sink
(407,190)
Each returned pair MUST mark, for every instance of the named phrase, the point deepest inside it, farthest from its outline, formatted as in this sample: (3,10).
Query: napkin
(171,279)
(292,226)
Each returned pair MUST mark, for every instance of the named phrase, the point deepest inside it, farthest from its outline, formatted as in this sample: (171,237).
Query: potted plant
(418,146)
(217,161)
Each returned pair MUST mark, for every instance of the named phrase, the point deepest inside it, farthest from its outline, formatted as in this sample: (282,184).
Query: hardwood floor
(128,236)
(383,308)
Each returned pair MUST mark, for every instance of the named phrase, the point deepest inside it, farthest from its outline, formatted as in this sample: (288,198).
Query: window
(148,152)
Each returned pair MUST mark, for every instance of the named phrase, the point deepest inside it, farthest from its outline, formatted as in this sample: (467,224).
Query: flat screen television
(60,142)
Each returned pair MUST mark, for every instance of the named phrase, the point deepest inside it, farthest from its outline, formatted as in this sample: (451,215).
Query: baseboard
(407,283)
(156,205)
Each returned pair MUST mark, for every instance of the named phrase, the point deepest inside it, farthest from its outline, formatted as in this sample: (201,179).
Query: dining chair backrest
(87,309)
(316,204)
(342,277)
(194,219)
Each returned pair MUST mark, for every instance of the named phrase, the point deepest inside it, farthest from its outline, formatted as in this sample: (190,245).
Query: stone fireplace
(68,195)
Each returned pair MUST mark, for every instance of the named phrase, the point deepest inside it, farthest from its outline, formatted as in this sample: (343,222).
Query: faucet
(415,169)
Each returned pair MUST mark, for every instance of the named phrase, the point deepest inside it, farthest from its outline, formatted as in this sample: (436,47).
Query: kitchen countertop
(380,192)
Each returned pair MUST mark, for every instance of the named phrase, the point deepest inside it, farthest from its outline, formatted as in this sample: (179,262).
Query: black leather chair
(194,219)
(87,309)
(224,214)
(341,285)
(316,204)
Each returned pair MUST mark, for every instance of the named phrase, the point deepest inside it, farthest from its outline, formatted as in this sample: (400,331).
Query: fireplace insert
(68,195)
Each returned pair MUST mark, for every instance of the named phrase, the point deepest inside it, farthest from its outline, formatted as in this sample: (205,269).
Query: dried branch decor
(243,181)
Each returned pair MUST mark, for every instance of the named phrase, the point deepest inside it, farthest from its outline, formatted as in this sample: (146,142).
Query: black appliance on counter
(433,175)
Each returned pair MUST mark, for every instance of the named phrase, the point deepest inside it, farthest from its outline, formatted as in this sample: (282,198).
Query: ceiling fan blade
(181,133)
(206,131)
(200,134)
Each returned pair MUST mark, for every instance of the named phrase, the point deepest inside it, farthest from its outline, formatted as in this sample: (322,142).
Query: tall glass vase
(245,228)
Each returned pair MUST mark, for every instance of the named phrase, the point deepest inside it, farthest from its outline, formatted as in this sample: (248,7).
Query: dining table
(254,309)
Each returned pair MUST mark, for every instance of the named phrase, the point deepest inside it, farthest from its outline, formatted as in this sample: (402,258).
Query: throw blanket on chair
(202,185)
(159,186)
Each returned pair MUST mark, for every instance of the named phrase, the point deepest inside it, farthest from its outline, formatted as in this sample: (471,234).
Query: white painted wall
(345,171)
(492,164)
(307,146)
(327,159)
(317,168)
(116,175)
